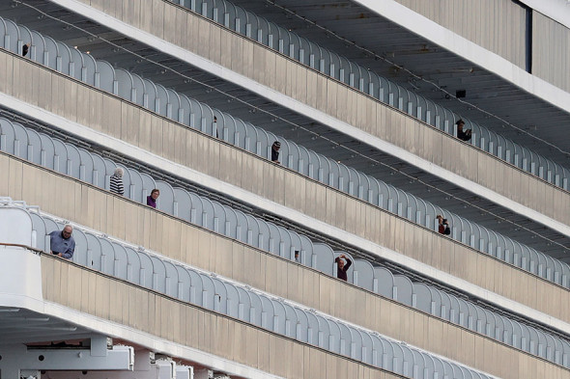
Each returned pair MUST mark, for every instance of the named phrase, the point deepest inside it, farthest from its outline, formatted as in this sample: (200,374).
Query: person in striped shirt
(116,182)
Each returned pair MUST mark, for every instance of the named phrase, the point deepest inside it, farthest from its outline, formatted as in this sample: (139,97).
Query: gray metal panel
(345,339)
(322,327)
(207,213)
(306,250)
(355,344)
(167,197)
(420,368)
(20,141)
(404,288)
(173,108)
(208,293)
(172,279)
(134,265)
(126,86)
(363,273)
(385,282)
(34,146)
(139,89)
(60,157)
(146,270)
(196,287)
(424,300)
(183,204)
(120,262)
(219,222)
(241,229)
(184,283)
(106,77)
(220,299)
(12,36)
(94,251)
(244,305)
(367,354)
(256,309)
(274,238)
(78,64)
(387,355)
(73,162)
(150,97)
(286,248)
(399,363)
(343,177)
(163,100)
(232,300)
(87,166)
(39,232)
(51,55)
(322,258)
(65,62)
(107,255)
(252,231)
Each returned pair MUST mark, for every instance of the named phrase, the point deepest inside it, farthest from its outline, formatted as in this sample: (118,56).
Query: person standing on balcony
(275,152)
(151,200)
(116,182)
(463,135)
(62,243)
(443,226)
(342,267)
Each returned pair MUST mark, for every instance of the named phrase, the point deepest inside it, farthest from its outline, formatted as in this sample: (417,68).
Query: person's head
(66,232)
(119,172)
(460,124)
(444,221)
(340,263)
(439,217)
(296,254)
(155,193)
(276,145)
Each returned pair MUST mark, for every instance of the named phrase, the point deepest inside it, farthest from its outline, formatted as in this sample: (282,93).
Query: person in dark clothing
(461,134)
(443,227)
(275,152)
(151,200)
(25,49)
(341,267)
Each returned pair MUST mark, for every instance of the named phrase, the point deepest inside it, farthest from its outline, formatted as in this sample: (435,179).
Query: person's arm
(67,254)
(347,265)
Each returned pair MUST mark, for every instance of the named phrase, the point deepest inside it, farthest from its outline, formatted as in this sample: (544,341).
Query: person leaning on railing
(62,243)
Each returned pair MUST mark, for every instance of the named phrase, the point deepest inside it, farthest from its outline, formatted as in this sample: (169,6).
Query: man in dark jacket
(275,152)
(341,267)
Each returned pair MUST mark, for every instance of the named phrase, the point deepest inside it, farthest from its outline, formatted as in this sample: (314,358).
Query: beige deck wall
(107,213)
(551,52)
(163,317)
(161,18)
(496,25)
(186,146)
